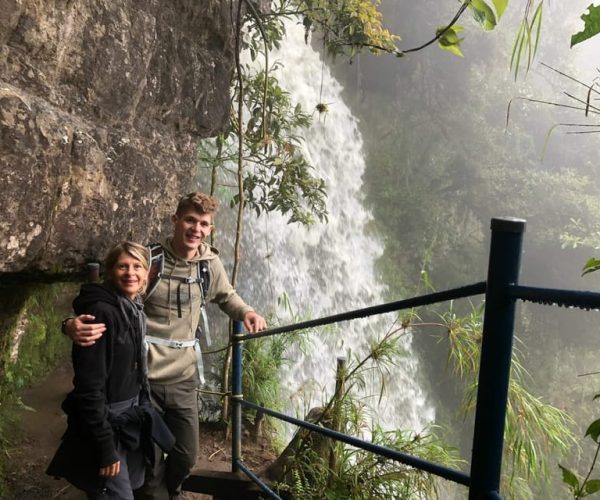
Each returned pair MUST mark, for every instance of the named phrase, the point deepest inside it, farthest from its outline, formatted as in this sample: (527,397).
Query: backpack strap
(204,274)
(156,267)
(202,267)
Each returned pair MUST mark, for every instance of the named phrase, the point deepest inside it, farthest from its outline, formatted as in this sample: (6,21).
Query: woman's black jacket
(111,370)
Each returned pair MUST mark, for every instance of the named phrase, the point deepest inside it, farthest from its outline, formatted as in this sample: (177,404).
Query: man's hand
(82,333)
(254,322)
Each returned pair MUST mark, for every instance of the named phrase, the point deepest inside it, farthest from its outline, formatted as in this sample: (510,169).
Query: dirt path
(43,423)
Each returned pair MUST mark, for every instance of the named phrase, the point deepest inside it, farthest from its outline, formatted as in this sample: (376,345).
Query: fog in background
(442,161)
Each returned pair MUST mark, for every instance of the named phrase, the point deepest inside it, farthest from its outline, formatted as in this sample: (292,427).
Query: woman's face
(129,275)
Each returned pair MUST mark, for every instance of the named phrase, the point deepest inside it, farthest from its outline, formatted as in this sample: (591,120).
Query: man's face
(190,230)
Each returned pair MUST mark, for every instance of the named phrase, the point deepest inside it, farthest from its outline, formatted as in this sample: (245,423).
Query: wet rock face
(102,104)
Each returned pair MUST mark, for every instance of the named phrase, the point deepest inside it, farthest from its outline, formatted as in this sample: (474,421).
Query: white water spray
(329,267)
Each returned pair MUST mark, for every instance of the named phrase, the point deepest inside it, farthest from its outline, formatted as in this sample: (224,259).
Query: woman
(102,451)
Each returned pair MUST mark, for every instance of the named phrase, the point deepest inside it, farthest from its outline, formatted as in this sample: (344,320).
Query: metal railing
(501,293)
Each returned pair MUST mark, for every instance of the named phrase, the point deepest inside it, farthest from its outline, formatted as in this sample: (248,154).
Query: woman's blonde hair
(134,250)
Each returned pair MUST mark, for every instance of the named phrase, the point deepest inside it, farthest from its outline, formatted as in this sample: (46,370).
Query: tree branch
(441,33)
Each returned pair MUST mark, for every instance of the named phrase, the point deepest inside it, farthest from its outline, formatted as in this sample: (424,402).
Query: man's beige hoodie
(173,312)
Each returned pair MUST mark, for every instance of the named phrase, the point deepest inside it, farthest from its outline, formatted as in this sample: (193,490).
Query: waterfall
(329,267)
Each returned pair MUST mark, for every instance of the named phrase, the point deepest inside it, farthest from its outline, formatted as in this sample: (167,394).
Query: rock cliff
(102,104)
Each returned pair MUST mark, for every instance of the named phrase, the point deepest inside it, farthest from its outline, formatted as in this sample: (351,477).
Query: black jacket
(111,370)
(107,372)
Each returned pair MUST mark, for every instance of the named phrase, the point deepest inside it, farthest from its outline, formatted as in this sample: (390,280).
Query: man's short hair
(201,202)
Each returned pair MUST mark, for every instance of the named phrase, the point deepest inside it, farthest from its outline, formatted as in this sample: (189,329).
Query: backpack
(202,278)
(157,265)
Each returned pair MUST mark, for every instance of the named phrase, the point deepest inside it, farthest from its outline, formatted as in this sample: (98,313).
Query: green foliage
(348,27)
(33,346)
(263,33)
(264,359)
(583,487)
(590,266)
(591,25)
(364,475)
(533,428)
(528,37)
(40,342)
(355,473)
(449,39)
(483,14)
(277,176)
(579,487)
(361,475)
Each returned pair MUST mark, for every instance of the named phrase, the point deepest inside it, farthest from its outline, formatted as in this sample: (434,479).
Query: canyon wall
(102,104)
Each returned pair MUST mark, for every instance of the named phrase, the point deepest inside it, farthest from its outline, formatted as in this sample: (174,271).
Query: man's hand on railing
(254,322)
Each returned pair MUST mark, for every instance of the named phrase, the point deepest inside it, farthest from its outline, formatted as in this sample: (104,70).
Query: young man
(174,309)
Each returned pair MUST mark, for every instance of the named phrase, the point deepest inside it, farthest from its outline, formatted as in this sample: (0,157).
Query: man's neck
(183,253)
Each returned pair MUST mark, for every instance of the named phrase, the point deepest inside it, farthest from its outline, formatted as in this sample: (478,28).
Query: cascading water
(329,267)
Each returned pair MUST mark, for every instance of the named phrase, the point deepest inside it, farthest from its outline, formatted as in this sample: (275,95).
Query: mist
(452,142)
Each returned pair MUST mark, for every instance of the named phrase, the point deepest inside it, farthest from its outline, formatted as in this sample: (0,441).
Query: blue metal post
(496,352)
(236,395)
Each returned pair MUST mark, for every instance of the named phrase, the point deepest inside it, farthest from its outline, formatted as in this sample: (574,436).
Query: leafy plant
(263,360)
(591,25)
(532,429)
(484,13)
(528,37)
(355,473)
(582,487)
(348,27)
(32,345)
(579,487)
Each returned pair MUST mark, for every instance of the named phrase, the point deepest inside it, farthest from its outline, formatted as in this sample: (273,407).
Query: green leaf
(590,266)
(591,487)
(594,430)
(500,6)
(591,27)
(450,40)
(484,14)
(569,478)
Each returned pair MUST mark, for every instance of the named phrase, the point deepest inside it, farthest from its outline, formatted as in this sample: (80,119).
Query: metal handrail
(501,293)
(439,470)
(423,300)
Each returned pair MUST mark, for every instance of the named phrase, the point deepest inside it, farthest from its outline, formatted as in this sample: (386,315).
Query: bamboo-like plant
(359,474)
(588,485)
(533,429)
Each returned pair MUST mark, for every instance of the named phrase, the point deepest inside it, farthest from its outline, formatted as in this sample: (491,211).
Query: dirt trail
(43,423)
(41,426)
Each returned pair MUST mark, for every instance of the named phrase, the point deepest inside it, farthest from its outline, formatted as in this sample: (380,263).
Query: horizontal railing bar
(439,470)
(432,298)
(548,296)
(257,480)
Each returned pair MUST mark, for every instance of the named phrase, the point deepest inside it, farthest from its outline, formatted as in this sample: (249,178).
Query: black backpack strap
(157,266)
(204,275)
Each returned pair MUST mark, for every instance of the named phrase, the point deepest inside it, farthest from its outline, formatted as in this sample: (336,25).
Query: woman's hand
(111,470)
